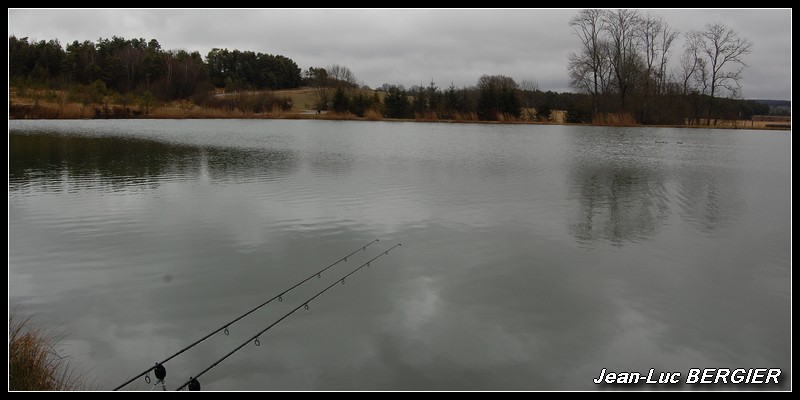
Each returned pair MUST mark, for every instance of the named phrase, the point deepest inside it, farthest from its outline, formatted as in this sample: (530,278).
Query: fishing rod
(161,372)
(193,382)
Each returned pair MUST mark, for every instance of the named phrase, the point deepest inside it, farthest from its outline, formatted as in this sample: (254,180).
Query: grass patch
(340,116)
(33,361)
(372,115)
(613,119)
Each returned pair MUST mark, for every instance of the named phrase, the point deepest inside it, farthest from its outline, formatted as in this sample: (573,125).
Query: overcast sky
(410,47)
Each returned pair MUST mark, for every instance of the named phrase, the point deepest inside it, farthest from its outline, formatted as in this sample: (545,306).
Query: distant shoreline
(56,108)
(335,117)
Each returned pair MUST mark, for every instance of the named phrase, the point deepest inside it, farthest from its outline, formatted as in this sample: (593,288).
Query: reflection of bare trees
(625,198)
(707,200)
(116,161)
(618,203)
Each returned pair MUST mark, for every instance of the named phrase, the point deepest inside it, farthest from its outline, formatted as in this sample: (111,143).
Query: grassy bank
(34,362)
(284,104)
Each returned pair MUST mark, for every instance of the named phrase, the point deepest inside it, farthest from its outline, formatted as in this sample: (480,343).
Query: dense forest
(136,65)
(637,89)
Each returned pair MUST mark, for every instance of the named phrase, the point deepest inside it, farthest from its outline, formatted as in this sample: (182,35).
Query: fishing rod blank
(195,385)
(318,274)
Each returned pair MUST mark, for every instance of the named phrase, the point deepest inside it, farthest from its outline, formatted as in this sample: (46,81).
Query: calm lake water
(532,257)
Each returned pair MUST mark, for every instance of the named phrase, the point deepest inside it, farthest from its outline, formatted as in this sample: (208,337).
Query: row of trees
(624,65)
(118,64)
(498,97)
(135,65)
(493,98)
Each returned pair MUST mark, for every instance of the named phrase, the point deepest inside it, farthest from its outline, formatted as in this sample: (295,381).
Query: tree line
(492,98)
(135,65)
(623,64)
(337,89)
(622,67)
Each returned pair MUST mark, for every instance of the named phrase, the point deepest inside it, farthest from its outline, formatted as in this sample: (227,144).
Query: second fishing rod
(159,369)
(194,385)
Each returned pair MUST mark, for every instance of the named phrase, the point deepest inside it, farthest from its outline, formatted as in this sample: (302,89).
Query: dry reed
(34,362)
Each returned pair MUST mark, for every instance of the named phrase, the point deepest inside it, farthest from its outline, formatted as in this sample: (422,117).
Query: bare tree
(622,27)
(627,54)
(529,85)
(342,76)
(586,67)
(656,38)
(723,51)
(691,64)
(650,29)
(668,36)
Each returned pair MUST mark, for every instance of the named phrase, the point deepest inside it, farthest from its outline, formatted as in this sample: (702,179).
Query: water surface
(533,256)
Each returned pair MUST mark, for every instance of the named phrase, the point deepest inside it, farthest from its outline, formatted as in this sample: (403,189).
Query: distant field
(302,99)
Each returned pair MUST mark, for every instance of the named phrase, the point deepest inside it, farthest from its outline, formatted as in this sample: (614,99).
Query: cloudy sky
(410,47)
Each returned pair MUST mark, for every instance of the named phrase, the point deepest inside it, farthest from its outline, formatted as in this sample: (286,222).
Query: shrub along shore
(290,104)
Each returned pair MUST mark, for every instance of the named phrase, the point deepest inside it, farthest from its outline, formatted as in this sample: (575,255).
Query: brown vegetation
(49,111)
(33,361)
(465,117)
(284,104)
(745,124)
(372,115)
(343,116)
(613,119)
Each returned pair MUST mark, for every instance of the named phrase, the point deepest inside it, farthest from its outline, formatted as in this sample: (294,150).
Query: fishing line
(193,382)
(318,274)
